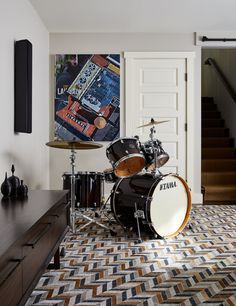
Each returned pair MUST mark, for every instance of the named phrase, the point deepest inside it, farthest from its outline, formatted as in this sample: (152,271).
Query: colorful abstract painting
(87,97)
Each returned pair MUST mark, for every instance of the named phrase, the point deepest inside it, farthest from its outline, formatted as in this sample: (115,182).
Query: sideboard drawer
(11,277)
(36,251)
(60,222)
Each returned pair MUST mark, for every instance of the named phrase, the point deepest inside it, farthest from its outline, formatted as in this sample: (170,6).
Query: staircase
(218,157)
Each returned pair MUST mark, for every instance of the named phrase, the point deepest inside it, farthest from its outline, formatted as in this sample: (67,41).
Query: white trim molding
(129,96)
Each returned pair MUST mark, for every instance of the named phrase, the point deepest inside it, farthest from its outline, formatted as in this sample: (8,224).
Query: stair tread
(218,148)
(221,160)
(219,172)
(221,187)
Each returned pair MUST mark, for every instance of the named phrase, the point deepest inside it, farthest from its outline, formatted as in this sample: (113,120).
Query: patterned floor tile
(197,267)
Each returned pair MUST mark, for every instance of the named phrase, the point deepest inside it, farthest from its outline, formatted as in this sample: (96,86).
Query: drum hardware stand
(156,172)
(97,215)
(72,191)
(139,214)
(73,212)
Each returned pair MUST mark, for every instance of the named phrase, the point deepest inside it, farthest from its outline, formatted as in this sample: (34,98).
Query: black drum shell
(148,151)
(128,191)
(125,156)
(141,193)
(88,188)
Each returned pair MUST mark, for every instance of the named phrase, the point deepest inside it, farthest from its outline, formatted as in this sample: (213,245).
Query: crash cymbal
(74,145)
(153,122)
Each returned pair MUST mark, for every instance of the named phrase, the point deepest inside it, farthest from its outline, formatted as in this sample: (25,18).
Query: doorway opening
(218,125)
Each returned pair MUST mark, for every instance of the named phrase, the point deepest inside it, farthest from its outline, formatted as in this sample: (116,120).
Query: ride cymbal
(153,122)
(74,145)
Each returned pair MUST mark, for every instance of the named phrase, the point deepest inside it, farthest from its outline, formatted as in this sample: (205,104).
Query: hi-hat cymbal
(74,145)
(152,122)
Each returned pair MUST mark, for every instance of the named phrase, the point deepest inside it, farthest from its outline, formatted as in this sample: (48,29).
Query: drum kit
(142,199)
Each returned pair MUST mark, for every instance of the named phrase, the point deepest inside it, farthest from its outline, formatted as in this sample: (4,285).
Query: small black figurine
(22,190)
(6,187)
(14,181)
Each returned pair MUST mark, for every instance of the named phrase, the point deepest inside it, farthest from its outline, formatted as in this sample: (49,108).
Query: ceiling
(177,16)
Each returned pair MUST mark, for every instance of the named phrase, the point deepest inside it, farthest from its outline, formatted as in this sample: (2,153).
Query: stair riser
(215,132)
(207,100)
(211,142)
(218,165)
(208,123)
(220,196)
(218,178)
(209,107)
(218,153)
(211,115)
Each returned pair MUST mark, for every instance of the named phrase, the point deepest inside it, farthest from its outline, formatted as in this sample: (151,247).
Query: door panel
(159,91)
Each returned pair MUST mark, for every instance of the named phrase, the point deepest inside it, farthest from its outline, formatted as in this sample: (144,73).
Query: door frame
(130,58)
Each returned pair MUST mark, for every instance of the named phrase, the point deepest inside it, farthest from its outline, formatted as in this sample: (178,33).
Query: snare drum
(110,176)
(164,202)
(125,156)
(88,188)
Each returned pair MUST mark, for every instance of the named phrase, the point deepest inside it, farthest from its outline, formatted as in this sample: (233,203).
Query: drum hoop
(127,157)
(162,155)
(189,204)
(89,172)
(114,141)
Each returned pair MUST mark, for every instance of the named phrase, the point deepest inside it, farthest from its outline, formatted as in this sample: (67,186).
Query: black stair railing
(225,81)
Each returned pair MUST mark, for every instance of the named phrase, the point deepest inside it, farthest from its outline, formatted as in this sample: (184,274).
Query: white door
(156,88)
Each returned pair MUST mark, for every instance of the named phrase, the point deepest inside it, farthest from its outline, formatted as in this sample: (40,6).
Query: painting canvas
(87,97)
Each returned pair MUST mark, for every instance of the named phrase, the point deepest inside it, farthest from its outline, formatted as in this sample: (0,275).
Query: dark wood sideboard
(30,233)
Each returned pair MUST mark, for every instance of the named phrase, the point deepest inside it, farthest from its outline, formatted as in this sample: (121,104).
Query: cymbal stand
(72,191)
(97,214)
(155,172)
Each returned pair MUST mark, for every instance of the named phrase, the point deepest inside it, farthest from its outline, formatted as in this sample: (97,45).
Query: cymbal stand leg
(72,191)
(138,214)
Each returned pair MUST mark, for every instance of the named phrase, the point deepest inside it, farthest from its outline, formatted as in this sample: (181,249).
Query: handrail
(205,38)
(229,88)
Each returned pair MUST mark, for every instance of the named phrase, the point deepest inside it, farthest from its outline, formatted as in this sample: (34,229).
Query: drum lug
(126,151)
(122,141)
(139,214)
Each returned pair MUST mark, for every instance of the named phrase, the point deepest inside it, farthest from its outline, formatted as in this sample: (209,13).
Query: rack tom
(125,156)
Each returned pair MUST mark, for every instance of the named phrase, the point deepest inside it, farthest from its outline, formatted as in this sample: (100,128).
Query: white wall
(18,20)
(213,87)
(95,160)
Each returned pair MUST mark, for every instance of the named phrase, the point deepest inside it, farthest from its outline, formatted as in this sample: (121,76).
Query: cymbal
(74,145)
(152,122)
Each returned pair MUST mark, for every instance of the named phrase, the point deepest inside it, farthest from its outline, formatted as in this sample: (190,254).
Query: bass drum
(164,202)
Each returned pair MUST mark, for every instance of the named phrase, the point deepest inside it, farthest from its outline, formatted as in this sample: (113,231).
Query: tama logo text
(168,185)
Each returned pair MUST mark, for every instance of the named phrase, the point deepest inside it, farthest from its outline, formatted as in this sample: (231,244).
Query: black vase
(22,190)
(14,181)
(6,187)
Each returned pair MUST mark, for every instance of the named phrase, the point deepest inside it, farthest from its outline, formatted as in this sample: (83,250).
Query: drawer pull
(9,269)
(39,236)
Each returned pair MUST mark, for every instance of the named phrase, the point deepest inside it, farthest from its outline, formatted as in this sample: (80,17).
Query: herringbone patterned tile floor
(197,267)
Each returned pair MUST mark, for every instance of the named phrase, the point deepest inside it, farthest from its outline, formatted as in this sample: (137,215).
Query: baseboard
(197,198)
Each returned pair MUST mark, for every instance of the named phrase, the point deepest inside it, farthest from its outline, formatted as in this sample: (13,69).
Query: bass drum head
(170,206)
